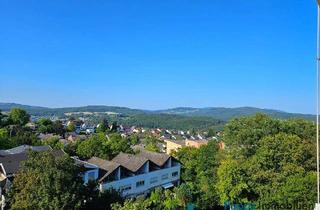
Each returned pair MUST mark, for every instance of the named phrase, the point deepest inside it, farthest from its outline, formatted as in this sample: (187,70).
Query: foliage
(100,145)
(270,162)
(54,142)
(100,200)
(13,131)
(18,116)
(47,182)
(103,126)
(199,172)
(158,200)
(45,125)
(211,132)
(170,121)
(151,144)
(94,146)
(71,127)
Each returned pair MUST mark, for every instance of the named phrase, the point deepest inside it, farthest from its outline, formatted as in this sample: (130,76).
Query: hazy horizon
(164,108)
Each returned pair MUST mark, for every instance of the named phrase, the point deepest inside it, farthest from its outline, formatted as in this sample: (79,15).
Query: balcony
(151,179)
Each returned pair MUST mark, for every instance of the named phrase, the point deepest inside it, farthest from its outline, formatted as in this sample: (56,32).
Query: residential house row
(130,174)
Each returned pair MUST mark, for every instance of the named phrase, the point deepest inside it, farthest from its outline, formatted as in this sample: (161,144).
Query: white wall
(86,175)
(146,178)
(90,168)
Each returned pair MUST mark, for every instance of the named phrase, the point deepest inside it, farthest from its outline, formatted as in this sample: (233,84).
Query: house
(195,143)
(134,175)
(10,164)
(174,145)
(24,148)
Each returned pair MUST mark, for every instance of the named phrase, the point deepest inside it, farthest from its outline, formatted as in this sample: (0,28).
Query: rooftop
(24,148)
(12,162)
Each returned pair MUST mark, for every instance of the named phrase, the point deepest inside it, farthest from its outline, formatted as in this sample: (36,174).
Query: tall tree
(103,126)
(266,159)
(19,116)
(47,182)
(45,125)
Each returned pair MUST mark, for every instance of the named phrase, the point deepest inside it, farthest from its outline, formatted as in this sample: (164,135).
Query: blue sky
(159,54)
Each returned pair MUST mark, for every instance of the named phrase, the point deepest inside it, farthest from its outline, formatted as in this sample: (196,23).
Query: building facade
(175,145)
(134,175)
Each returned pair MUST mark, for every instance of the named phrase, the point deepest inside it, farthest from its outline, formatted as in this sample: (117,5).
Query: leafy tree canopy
(18,116)
(47,182)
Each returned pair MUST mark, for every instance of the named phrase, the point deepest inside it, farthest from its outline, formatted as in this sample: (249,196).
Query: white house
(134,175)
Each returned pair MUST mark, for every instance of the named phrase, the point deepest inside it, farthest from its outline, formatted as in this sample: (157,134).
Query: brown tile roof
(157,158)
(107,166)
(129,161)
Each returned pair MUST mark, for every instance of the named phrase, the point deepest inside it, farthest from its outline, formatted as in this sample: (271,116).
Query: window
(91,175)
(125,188)
(174,174)
(165,176)
(140,183)
(153,180)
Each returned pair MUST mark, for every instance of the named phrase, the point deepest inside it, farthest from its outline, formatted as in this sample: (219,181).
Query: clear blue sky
(159,54)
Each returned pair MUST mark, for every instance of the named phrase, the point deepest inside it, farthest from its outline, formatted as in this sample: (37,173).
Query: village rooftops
(24,148)
(11,163)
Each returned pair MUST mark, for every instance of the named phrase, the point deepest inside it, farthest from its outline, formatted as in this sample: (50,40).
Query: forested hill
(219,113)
(44,111)
(229,113)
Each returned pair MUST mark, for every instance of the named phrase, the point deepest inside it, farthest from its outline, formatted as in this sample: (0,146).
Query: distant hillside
(229,113)
(44,111)
(170,121)
(223,114)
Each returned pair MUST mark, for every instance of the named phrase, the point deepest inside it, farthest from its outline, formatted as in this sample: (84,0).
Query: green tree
(58,128)
(47,182)
(94,146)
(102,127)
(183,194)
(71,127)
(114,127)
(54,142)
(269,162)
(98,200)
(159,200)
(118,144)
(18,116)
(45,125)
(211,133)
(4,139)
(199,172)
(232,182)
(152,147)
(151,144)
(2,119)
